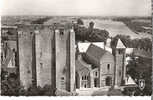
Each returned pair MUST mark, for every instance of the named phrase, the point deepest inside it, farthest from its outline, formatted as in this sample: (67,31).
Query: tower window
(120,51)
(40,54)
(108,66)
(41,65)
(28,71)
(96,74)
(119,73)
(62,78)
(61,31)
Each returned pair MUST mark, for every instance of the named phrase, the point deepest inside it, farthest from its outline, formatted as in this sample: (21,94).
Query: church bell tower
(120,69)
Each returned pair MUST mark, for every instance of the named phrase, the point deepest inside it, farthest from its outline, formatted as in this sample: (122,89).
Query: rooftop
(120,44)
(95,52)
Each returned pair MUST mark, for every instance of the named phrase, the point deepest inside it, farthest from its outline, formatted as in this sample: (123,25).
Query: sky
(77,7)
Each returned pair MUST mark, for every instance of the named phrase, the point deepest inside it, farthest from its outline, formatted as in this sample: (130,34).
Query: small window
(82,78)
(28,71)
(120,51)
(119,73)
(40,54)
(41,65)
(108,66)
(96,74)
(85,77)
(61,31)
(62,78)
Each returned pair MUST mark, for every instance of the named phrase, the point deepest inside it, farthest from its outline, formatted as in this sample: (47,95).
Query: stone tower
(25,55)
(47,56)
(65,59)
(120,70)
(44,46)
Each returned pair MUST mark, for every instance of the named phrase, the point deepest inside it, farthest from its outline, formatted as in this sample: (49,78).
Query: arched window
(96,74)
(82,78)
(108,67)
(85,77)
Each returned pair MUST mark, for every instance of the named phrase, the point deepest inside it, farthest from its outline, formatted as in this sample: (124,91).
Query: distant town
(76,56)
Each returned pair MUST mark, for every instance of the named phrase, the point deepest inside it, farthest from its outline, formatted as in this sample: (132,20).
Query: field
(115,27)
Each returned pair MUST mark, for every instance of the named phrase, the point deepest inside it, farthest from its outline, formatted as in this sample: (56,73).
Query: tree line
(143,43)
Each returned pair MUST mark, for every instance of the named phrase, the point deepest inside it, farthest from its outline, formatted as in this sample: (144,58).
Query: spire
(120,44)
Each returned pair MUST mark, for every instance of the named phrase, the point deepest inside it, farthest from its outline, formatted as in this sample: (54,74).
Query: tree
(10,85)
(80,22)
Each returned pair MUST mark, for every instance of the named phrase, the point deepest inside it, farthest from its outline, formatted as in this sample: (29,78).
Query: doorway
(108,81)
(95,82)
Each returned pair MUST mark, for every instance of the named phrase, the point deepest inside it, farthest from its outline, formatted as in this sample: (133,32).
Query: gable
(107,57)
(120,44)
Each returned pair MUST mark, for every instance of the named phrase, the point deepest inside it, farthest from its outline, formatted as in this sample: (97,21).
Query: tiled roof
(95,52)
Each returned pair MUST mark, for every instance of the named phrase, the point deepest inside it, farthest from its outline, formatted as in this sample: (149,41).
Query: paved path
(92,92)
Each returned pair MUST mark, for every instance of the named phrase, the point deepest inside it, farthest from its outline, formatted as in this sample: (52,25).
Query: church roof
(95,52)
(120,44)
(81,64)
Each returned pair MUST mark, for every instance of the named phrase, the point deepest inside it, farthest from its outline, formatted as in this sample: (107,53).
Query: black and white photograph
(76,48)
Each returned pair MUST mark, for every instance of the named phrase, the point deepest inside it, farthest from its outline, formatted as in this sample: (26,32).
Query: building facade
(47,56)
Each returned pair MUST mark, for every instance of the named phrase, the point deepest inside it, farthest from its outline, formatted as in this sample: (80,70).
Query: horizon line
(79,15)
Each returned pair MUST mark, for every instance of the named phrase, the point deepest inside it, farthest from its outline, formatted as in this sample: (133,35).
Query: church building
(97,67)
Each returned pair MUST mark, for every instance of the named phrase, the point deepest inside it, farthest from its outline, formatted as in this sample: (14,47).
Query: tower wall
(25,56)
(65,59)
(47,57)
(120,67)
(72,60)
(44,56)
